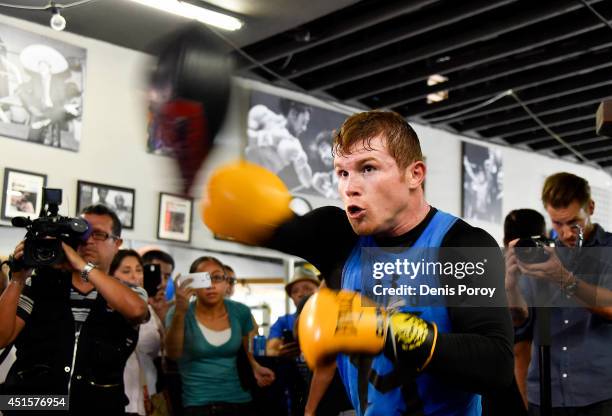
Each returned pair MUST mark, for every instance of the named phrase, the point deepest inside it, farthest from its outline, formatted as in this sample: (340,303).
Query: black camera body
(43,240)
(531,250)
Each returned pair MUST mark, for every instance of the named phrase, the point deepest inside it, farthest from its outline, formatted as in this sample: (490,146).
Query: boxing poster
(483,188)
(294,140)
(41,89)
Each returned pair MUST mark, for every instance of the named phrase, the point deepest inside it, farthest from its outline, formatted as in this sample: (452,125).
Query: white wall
(113,151)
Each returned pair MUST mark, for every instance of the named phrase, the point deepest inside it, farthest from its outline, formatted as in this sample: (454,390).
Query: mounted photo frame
(174,221)
(121,200)
(22,193)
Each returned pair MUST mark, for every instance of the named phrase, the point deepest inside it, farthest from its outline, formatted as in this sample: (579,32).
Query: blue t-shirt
(209,373)
(282,323)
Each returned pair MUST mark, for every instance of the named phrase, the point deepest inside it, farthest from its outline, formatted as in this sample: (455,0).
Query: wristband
(86,270)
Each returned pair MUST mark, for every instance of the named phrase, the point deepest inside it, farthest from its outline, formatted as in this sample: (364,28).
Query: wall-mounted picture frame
(174,221)
(22,193)
(42,89)
(121,200)
(483,187)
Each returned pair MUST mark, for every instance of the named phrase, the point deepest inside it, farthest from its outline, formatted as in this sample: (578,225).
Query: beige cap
(301,274)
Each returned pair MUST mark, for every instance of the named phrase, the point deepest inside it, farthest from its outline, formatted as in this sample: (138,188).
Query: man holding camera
(581,328)
(73,325)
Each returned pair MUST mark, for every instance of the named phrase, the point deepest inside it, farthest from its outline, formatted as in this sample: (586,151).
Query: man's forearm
(119,297)
(518,306)
(8,311)
(321,379)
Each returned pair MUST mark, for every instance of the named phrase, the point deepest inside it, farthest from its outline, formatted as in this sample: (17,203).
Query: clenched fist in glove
(345,322)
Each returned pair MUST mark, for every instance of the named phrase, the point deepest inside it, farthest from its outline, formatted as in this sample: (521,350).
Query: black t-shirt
(477,355)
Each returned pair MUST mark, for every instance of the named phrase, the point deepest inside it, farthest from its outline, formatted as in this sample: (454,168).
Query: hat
(301,274)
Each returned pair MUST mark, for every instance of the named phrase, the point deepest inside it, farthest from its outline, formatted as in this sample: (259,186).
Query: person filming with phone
(206,337)
(573,273)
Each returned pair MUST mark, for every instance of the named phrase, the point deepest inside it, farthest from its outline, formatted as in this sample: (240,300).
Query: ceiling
(135,26)
(555,55)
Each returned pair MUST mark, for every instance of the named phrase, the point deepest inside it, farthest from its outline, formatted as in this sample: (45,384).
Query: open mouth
(354,211)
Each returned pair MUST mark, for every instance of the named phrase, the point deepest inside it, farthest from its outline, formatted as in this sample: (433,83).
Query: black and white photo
(41,89)
(120,200)
(174,221)
(293,140)
(483,189)
(22,193)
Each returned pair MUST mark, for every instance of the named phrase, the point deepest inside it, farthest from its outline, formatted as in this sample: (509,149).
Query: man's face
(301,289)
(166,271)
(231,282)
(565,220)
(298,121)
(97,251)
(374,190)
(325,153)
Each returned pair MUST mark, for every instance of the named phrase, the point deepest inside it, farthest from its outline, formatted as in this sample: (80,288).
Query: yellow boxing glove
(333,322)
(245,202)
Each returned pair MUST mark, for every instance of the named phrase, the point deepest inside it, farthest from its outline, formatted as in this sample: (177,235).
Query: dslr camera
(531,250)
(44,236)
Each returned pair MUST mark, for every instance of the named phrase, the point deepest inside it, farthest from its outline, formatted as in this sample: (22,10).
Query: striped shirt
(80,303)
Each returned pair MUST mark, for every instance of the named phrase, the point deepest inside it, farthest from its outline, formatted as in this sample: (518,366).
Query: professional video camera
(531,249)
(44,234)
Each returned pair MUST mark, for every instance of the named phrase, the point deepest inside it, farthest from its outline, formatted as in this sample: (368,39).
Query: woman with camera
(207,337)
(140,375)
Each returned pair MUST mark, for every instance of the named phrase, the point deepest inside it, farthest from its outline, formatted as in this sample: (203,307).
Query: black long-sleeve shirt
(477,355)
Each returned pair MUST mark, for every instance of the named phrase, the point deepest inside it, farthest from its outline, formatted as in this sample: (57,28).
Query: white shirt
(147,349)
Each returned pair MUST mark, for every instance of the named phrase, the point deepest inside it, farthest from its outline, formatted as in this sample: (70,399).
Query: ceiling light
(57,22)
(436,79)
(436,97)
(190,11)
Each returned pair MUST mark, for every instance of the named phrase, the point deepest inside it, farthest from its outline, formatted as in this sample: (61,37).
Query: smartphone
(199,280)
(287,336)
(152,278)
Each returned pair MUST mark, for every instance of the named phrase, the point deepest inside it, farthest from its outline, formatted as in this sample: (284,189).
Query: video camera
(43,240)
(531,250)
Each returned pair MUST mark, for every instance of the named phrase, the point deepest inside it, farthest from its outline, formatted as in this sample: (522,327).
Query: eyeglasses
(218,278)
(231,280)
(102,236)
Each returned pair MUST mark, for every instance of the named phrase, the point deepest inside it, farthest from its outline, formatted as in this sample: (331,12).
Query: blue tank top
(374,384)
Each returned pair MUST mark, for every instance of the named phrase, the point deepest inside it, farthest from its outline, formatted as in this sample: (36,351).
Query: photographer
(581,330)
(73,325)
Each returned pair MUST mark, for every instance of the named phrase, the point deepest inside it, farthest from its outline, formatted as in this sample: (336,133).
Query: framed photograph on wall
(483,187)
(120,200)
(174,217)
(22,193)
(41,88)
(294,140)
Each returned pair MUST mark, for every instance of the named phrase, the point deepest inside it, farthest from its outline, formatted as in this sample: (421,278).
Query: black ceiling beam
(539,133)
(602,155)
(516,67)
(405,27)
(606,163)
(587,147)
(508,111)
(332,26)
(559,119)
(586,68)
(399,84)
(573,139)
(332,76)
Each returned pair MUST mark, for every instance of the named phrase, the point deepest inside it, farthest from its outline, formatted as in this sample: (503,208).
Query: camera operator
(581,332)
(73,325)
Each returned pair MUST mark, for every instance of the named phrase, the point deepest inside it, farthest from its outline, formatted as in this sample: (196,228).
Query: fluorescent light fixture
(436,79)
(436,97)
(190,11)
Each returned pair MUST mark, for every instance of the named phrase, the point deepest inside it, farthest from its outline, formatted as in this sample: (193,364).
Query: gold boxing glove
(245,202)
(345,322)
